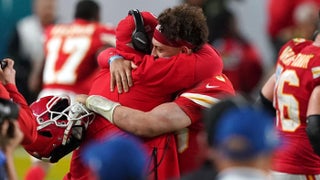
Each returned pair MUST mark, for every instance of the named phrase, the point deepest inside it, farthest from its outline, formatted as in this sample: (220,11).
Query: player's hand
(81,98)
(77,110)
(121,76)
(8,74)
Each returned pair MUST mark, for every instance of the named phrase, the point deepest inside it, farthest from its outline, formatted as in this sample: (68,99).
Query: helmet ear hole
(45,133)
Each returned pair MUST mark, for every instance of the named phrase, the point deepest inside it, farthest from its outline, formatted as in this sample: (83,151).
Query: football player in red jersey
(182,116)
(294,91)
(70,58)
(160,50)
(71,51)
(204,100)
(145,94)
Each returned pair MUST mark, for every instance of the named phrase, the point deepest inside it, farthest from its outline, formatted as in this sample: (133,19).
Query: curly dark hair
(185,22)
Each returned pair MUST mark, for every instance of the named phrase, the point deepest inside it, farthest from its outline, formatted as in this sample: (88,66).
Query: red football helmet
(61,127)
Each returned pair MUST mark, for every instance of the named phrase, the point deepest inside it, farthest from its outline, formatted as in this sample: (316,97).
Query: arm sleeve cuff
(112,58)
(102,106)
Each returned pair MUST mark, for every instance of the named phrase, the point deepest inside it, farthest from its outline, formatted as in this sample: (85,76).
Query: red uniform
(71,51)
(175,74)
(27,122)
(193,102)
(155,81)
(297,74)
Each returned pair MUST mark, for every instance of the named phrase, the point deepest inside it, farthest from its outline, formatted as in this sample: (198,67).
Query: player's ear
(186,50)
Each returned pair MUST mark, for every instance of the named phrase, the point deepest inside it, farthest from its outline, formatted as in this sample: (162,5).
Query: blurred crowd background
(251,16)
(259,26)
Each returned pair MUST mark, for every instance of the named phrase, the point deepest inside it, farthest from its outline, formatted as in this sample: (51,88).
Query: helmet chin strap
(46,159)
(67,133)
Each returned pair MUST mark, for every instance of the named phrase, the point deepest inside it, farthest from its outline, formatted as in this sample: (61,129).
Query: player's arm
(268,87)
(104,57)
(313,120)
(167,117)
(265,98)
(26,119)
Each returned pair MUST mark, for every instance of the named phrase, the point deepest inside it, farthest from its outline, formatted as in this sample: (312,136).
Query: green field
(22,163)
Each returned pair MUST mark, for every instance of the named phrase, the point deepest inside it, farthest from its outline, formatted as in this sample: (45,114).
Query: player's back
(297,74)
(71,51)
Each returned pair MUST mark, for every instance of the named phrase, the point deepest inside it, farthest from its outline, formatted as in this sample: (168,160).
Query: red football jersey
(297,74)
(71,51)
(155,81)
(193,102)
(27,122)
(159,80)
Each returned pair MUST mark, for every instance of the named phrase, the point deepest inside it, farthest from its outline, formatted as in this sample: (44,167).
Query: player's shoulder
(217,84)
(298,43)
(209,91)
(293,47)
(217,79)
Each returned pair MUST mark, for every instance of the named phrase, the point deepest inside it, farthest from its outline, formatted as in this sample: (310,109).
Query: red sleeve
(104,56)
(3,92)
(204,95)
(207,62)
(135,56)
(192,109)
(26,119)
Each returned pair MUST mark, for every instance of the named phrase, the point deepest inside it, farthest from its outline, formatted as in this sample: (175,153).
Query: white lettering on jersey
(76,48)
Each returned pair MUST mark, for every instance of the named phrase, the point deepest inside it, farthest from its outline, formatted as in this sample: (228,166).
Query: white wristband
(102,106)
(112,58)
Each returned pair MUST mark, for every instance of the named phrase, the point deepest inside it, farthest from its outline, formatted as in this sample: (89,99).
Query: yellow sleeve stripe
(315,72)
(203,100)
